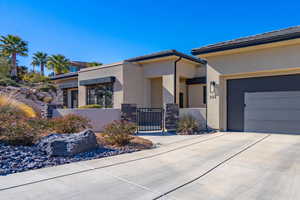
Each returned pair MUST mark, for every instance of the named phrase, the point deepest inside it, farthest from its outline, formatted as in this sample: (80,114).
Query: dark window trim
(103,84)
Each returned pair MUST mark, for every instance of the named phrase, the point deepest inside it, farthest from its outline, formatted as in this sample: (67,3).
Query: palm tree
(12,45)
(94,64)
(58,63)
(39,59)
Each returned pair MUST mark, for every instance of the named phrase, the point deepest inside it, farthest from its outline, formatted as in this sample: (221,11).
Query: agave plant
(187,125)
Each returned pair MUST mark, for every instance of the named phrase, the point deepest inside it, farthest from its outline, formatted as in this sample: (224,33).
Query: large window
(101,94)
(65,97)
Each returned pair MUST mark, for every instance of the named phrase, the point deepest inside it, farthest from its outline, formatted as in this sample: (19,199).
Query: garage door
(276,112)
(257,89)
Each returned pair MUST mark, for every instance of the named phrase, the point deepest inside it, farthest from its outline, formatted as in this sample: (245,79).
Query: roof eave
(245,44)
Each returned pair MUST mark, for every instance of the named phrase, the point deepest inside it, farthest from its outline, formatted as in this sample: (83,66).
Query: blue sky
(110,31)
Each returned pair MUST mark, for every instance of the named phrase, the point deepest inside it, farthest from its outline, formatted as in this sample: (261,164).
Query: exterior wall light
(212,87)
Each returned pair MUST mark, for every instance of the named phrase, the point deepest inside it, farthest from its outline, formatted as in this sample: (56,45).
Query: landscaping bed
(15,159)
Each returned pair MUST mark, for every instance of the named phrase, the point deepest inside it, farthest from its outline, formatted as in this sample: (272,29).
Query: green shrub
(187,125)
(5,81)
(70,123)
(47,87)
(119,132)
(90,106)
(35,78)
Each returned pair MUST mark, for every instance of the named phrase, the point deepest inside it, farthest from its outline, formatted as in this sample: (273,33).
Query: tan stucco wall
(115,70)
(196,96)
(133,84)
(187,69)
(156,92)
(261,62)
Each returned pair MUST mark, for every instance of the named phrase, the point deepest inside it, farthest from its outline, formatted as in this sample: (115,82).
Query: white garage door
(275,112)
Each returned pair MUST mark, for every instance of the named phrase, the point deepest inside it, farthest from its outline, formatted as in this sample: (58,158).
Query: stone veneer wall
(171,117)
(129,112)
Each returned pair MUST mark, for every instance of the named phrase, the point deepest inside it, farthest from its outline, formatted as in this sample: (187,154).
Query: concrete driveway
(211,167)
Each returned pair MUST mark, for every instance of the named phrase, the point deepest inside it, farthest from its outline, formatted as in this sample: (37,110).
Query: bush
(90,106)
(187,125)
(19,107)
(16,128)
(119,132)
(35,78)
(5,81)
(70,124)
(47,87)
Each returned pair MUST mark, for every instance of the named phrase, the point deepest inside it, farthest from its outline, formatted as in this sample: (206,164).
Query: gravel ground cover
(15,159)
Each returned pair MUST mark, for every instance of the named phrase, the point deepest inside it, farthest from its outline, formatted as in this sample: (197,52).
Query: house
(246,84)
(148,81)
(70,93)
(254,82)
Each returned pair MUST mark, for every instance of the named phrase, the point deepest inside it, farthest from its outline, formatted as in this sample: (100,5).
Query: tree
(39,59)
(5,67)
(12,46)
(58,63)
(94,64)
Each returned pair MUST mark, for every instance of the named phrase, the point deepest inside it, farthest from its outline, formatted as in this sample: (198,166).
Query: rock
(68,144)
(47,99)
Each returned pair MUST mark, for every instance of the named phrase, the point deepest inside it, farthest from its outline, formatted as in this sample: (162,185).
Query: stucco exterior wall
(156,92)
(133,84)
(115,70)
(195,99)
(261,62)
(165,70)
(98,117)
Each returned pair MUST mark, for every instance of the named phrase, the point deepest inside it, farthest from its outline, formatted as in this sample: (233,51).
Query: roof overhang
(165,54)
(260,39)
(109,79)
(64,76)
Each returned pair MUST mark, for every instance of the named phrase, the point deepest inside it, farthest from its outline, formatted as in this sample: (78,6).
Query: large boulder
(68,144)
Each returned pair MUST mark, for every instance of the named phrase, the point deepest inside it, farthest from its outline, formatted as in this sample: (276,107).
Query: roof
(264,38)
(166,54)
(79,63)
(66,75)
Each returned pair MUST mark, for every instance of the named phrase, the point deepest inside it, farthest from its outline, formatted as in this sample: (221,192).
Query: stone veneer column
(129,112)
(47,111)
(171,116)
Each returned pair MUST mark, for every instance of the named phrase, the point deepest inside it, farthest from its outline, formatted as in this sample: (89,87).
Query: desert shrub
(5,81)
(90,106)
(119,132)
(16,128)
(70,123)
(35,78)
(47,87)
(8,102)
(187,125)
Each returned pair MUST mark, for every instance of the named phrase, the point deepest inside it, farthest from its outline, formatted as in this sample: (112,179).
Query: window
(74,98)
(204,94)
(101,94)
(65,97)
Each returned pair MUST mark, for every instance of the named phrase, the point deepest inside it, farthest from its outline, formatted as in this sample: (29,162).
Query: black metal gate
(150,119)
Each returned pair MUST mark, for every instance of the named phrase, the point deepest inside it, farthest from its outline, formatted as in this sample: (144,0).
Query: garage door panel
(276,112)
(271,126)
